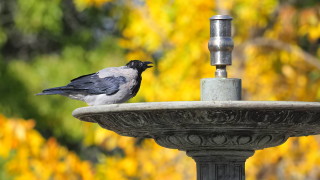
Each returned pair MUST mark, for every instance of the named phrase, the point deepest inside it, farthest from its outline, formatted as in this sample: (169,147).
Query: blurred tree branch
(280,45)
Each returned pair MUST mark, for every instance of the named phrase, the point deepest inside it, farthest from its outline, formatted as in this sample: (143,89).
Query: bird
(111,85)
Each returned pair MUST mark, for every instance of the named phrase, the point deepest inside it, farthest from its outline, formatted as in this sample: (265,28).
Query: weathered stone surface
(220,89)
(246,125)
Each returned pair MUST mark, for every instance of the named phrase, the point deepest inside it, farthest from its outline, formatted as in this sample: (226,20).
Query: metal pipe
(220,44)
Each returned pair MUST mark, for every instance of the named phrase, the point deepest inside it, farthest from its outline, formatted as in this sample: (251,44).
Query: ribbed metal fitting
(220,44)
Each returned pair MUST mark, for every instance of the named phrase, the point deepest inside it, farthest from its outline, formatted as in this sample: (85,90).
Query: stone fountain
(219,132)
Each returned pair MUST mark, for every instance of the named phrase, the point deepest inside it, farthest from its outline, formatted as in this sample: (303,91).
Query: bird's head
(140,66)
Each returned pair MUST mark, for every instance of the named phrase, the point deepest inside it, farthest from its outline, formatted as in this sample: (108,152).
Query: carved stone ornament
(219,135)
(206,125)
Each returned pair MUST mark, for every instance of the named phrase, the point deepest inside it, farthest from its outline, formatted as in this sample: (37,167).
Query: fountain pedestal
(220,164)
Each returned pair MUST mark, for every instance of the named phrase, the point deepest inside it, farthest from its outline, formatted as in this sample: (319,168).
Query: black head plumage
(139,65)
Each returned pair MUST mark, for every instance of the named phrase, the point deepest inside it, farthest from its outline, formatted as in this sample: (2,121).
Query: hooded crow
(107,86)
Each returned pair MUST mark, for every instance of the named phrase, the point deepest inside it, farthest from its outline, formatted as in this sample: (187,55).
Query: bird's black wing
(89,84)
(93,84)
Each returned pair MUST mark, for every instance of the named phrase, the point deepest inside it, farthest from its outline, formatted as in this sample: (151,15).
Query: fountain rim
(185,105)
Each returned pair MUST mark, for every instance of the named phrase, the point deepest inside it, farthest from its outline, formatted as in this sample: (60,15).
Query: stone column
(220,164)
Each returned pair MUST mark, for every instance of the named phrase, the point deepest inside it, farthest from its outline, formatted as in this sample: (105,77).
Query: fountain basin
(208,125)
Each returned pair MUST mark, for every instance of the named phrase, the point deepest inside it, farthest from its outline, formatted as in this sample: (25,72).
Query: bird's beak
(148,62)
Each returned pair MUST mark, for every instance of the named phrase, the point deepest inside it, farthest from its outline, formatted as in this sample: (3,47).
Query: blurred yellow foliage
(180,35)
(27,155)
(298,158)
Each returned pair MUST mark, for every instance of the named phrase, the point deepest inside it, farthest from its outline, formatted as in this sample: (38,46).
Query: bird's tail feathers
(51,91)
